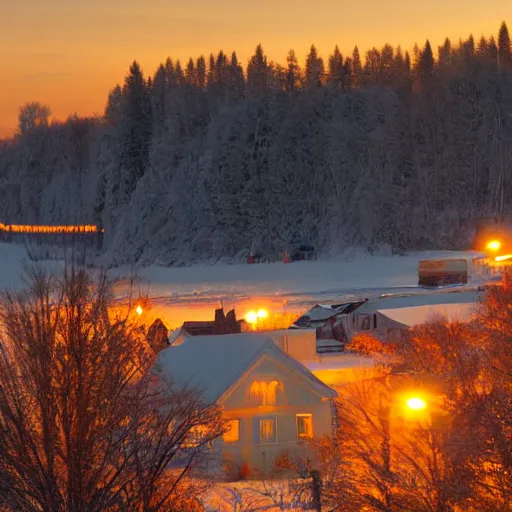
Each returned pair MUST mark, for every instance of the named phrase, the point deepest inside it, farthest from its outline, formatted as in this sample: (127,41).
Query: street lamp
(253,317)
(416,404)
(494,245)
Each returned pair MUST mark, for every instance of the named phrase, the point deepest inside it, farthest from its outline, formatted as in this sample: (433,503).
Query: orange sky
(69,53)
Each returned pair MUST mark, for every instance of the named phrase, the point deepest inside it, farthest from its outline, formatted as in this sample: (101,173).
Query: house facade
(273,405)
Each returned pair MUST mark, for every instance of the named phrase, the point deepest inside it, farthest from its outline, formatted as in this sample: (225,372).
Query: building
(297,343)
(221,324)
(273,404)
(331,322)
(385,318)
(393,324)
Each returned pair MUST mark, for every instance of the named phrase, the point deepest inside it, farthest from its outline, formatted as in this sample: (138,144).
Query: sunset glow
(70,54)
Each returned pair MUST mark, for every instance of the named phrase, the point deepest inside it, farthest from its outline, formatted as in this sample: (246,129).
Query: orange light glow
(494,245)
(262,313)
(139,310)
(416,404)
(503,258)
(265,393)
(251,317)
(29,229)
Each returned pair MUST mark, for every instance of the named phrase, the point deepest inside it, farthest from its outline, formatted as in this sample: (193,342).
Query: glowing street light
(505,257)
(494,245)
(416,404)
(251,317)
(139,310)
(262,313)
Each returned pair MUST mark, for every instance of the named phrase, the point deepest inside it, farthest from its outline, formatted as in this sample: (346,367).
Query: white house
(386,316)
(272,402)
(394,323)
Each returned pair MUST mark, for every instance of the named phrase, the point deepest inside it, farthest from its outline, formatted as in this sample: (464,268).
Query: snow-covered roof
(214,364)
(417,315)
(421,299)
(322,312)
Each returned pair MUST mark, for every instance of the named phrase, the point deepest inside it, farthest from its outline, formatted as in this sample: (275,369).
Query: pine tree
(387,68)
(492,51)
(445,53)
(416,56)
(357,68)
(482,48)
(292,72)
(407,62)
(201,72)
(170,73)
(235,80)
(220,70)
(210,78)
(336,70)
(258,73)
(136,131)
(314,69)
(372,67)
(347,74)
(190,73)
(504,49)
(426,62)
(178,73)
(113,109)
(158,97)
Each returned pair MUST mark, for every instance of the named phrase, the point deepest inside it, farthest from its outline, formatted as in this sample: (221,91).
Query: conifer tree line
(206,160)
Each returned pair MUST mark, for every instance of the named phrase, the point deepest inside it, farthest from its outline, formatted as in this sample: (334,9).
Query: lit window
(265,392)
(233,431)
(268,431)
(304,426)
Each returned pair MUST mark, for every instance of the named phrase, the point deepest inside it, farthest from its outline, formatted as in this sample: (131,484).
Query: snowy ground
(192,293)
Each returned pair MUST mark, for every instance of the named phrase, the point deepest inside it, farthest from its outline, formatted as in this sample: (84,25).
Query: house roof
(419,299)
(322,312)
(417,315)
(214,364)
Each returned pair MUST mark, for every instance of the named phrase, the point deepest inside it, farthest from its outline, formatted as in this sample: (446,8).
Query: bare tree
(33,115)
(83,425)
(382,459)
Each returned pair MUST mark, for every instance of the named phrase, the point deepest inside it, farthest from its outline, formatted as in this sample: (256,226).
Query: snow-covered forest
(205,160)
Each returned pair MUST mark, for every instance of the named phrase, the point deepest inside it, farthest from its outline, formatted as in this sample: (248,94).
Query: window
(265,392)
(233,431)
(268,431)
(363,322)
(304,426)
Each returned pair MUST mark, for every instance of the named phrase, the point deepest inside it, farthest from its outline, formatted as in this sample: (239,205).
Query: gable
(270,383)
